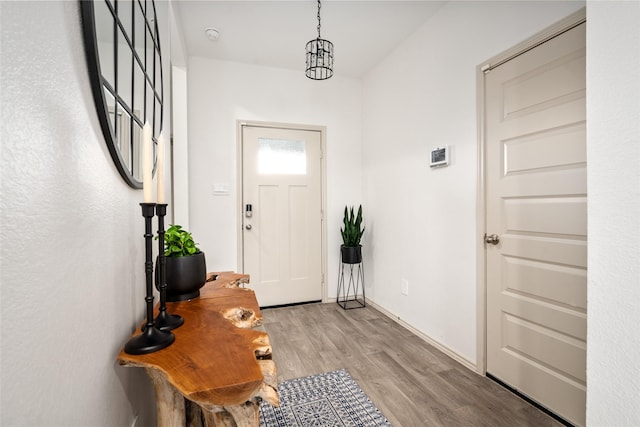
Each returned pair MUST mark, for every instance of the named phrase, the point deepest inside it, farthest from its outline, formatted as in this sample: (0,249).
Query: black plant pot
(185,276)
(351,254)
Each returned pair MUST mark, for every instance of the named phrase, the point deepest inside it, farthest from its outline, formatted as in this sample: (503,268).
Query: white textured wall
(180,149)
(613,150)
(422,222)
(179,126)
(221,92)
(71,230)
(72,259)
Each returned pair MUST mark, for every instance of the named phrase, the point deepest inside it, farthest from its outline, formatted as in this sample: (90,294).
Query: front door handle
(492,239)
(248,226)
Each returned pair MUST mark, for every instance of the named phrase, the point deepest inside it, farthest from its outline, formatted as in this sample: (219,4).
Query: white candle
(147,164)
(160,165)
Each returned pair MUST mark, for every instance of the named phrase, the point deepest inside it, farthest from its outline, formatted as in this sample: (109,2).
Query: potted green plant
(352,231)
(186,270)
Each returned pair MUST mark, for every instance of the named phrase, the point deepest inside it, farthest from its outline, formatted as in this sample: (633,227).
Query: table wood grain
(218,360)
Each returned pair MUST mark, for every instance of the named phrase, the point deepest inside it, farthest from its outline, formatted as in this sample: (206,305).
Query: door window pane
(282,157)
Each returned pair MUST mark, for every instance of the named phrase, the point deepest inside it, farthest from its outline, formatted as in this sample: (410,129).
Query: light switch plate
(220,189)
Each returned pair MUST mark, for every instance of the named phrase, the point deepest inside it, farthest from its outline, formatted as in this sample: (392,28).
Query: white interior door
(281,188)
(537,207)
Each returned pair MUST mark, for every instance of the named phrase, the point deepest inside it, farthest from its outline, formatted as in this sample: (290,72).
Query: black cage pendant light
(319,56)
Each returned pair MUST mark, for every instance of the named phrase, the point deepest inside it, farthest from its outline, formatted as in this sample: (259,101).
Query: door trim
(240,124)
(547,34)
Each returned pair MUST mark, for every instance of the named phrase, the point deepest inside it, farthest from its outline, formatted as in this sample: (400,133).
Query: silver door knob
(248,226)
(492,239)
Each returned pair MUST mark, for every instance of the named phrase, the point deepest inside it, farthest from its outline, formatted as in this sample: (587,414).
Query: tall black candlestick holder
(164,321)
(151,339)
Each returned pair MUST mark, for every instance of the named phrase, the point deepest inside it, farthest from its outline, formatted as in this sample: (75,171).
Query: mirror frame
(99,84)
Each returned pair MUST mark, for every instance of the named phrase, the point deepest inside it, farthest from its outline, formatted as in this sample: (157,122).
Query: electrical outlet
(404,287)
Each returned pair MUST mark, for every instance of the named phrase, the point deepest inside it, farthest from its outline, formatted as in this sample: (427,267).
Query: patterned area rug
(331,399)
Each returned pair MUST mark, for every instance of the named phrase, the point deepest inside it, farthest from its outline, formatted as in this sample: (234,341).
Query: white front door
(282,213)
(537,207)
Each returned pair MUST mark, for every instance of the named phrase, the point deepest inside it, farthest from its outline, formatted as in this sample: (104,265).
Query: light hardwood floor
(410,381)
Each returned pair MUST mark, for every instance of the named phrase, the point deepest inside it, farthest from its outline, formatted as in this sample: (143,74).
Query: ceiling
(274,33)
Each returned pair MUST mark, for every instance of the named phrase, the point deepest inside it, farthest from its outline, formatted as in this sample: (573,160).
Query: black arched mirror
(125,67)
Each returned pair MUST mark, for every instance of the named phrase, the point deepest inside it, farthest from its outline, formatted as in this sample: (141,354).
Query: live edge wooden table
(219,368)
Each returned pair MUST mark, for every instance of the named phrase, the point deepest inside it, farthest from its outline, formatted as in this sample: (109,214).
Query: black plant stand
(354,281)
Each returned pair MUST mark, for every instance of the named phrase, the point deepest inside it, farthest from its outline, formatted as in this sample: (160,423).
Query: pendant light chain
(319,6)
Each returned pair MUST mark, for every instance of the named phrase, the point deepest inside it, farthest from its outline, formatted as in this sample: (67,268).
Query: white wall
(72,263)
(422,222)
(220,93)
(180,148)
(179,203)
(71,231)
(613,133)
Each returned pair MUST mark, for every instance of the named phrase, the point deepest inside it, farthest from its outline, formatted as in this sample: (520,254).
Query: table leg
(245,415)
(169,401)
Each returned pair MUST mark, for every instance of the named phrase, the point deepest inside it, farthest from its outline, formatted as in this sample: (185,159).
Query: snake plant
(353,230)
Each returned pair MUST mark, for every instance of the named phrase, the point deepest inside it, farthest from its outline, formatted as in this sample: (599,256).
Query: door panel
(282,237)
(552,215)
(558,283)
(266,214)
(529,91)
(566,144)
(299,231)
(537,204)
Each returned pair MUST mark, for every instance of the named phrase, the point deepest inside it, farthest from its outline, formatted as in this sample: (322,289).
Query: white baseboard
(446,350)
